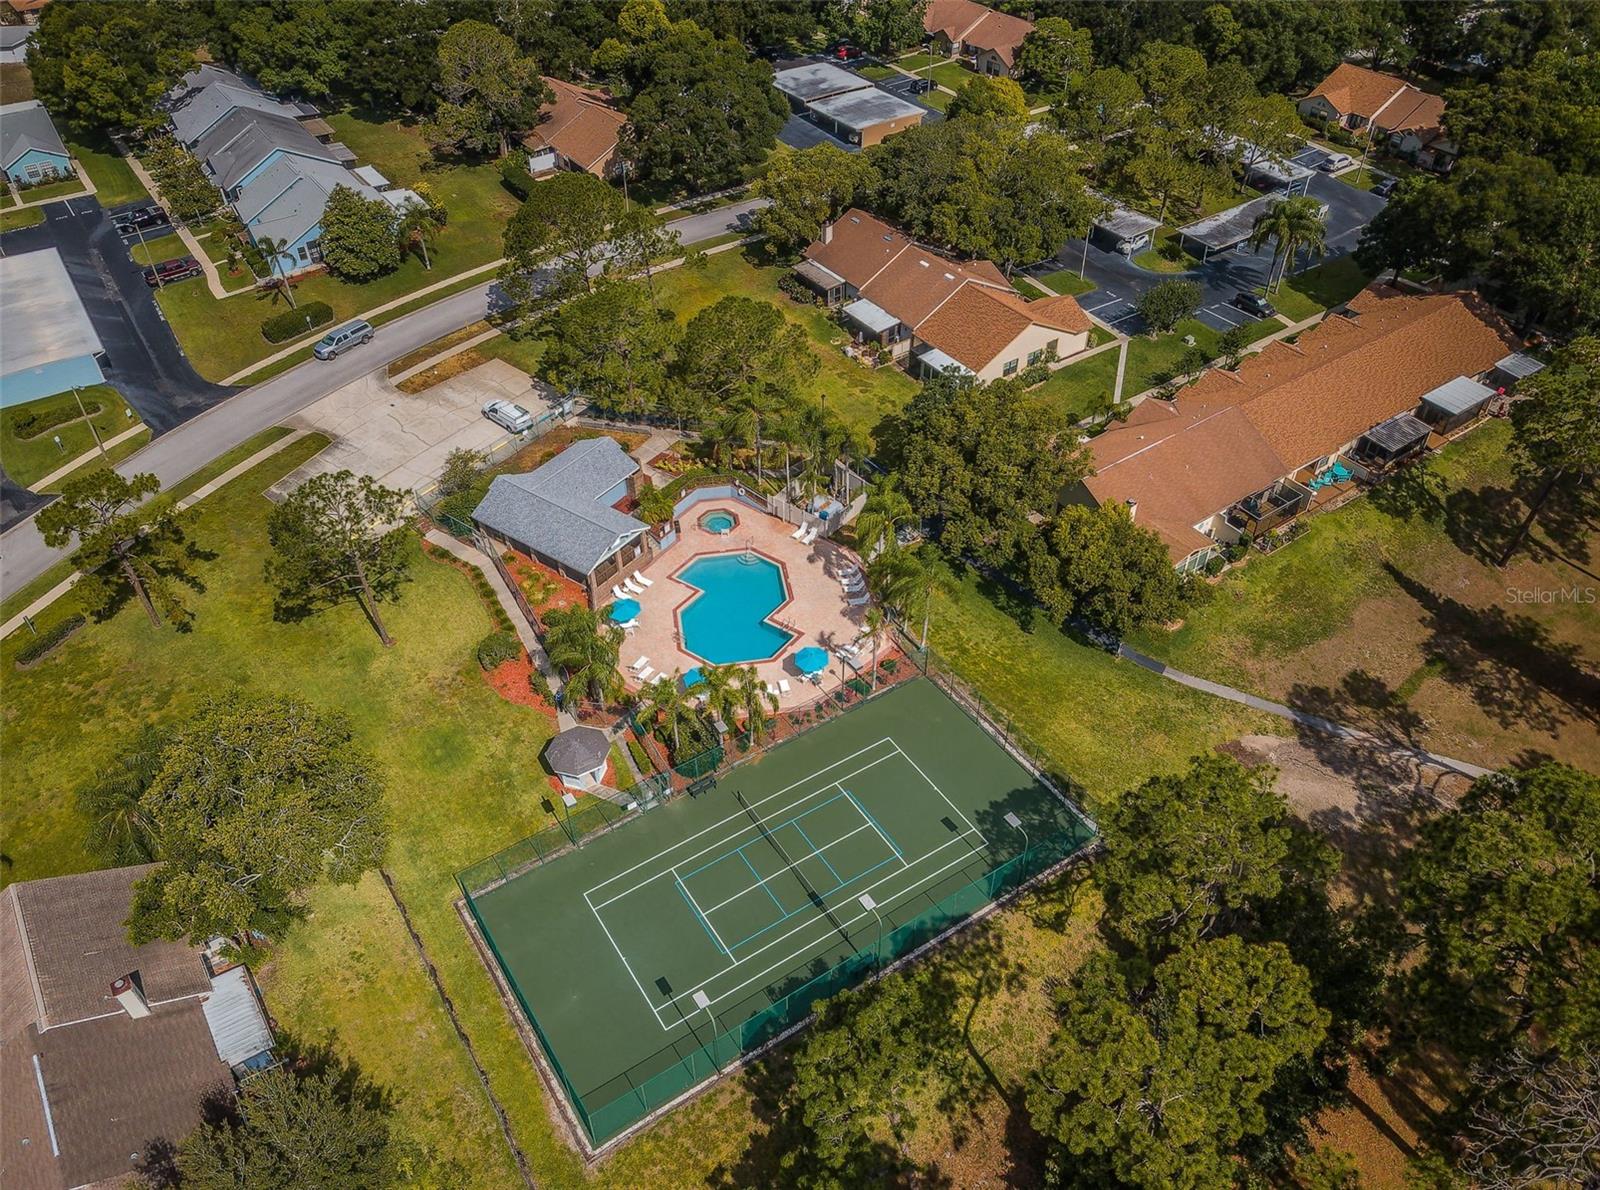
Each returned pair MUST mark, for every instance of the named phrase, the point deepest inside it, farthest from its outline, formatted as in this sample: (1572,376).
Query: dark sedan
(1254,303)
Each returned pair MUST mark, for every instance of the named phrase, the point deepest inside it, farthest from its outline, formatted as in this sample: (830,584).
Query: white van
(508,416)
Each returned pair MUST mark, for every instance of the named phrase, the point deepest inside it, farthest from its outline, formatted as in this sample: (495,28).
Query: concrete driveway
(1119,282)
(401,439)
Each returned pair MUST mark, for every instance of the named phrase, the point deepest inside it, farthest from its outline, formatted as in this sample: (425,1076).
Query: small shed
(578,756)
(1454,403)
(1517,367)
(1392,441)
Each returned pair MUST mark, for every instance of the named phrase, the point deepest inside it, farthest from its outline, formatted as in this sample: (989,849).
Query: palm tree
(587,648)
(1294,223)
(874,623)
(885,511)
(418,228)
(721,433)
(906,581)
(121,830)
(272,251)
(717,687)
(750,695)
(668,704)
(758,403)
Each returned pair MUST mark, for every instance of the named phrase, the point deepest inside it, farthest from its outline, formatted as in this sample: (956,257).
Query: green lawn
(938,100)
(1292,304)
(877,73)
(114,181)
(26,217)
(54,190)
(1067,281)
(1148,358)
(16,82)
(1167,256)
(1027,288)
(28,459)
(1391,614)
(1083,388)
(223,336)
(100,462)
(1330,284)
(161,248)
(859,394)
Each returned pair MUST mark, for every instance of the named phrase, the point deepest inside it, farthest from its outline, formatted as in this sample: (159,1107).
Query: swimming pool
(727,622)
(718,522)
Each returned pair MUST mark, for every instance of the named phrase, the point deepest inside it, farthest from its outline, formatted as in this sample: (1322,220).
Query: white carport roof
(940,362)
(44,320)
(874,317)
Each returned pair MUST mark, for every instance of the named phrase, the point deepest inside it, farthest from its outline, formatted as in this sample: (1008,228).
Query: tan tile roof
(1229,436)
(1396,104)
(952,17)
(964,310)
(1001,33)
(580,124)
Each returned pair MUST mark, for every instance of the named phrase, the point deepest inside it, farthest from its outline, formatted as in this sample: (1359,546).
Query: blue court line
(782,908)
(838,880)
(885,835)
(698,916)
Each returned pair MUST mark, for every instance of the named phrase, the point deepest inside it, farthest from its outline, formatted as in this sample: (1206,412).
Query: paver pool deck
(817,611)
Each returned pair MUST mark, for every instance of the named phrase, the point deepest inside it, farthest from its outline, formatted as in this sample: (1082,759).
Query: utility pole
(79,398)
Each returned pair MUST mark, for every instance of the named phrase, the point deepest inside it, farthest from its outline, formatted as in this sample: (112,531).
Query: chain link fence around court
(651,1084)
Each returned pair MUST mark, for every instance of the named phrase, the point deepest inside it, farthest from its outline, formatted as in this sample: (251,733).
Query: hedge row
(497,648)
(291,324)
(641,758)
(49,639)
(31,425)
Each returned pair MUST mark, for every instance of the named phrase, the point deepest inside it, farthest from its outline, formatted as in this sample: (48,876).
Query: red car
(847,53)
(171,270)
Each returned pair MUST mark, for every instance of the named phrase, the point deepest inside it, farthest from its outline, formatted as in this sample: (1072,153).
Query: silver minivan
(336,343)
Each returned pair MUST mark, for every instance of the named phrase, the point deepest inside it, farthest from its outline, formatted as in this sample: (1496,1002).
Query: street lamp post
(79,398)
(871,906)
(1015,824)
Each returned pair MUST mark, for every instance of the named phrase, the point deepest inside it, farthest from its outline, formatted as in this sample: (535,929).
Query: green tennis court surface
(655,953)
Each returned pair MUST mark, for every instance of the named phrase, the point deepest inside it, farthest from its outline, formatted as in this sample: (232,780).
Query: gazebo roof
(577,750)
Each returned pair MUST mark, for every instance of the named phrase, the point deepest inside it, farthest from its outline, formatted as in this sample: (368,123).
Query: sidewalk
(474,557)
(213,278)
(87,456)
(200,493)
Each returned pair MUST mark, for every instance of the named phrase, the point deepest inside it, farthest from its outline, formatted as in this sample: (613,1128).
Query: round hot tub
(719,521)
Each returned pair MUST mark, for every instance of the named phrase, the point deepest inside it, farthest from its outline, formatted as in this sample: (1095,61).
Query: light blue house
(267,158)
(31,151)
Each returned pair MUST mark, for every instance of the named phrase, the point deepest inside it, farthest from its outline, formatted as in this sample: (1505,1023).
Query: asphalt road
(1119,282)
(213,431)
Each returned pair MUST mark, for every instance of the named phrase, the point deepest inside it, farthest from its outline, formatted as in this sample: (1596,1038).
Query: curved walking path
(1300,718)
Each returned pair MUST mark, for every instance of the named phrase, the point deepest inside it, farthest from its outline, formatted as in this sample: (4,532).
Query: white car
(508,416)
(1333,162)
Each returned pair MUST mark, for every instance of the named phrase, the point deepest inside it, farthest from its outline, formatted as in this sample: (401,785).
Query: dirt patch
(462,361)
(440,345)
(510,681)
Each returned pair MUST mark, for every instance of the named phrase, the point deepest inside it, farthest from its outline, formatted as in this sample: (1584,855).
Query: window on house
(304,255)
(1053,348)
(315,248)
(1035,356)
(1010,368)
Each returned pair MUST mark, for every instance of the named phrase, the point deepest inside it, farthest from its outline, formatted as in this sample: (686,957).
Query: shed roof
(1228,228)
(43,317)
(1398,432)
(1519,366)
(875,318)
(556,510)
(233,1014)
(817,80)
(1126,223)
(1458,395)
(24,127)
(577,750)
(818,274)
(859,110)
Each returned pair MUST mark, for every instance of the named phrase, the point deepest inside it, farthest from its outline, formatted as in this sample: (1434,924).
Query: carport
(1124,230)
(1224,230)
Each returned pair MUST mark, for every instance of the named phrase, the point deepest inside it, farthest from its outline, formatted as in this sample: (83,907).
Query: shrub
(791,286)
(514,173)
(49,639)
(655,506)
(31,425)
(540,685)
(292,323)
(1214,567)
(497,648)
(641,758)
(1034,374)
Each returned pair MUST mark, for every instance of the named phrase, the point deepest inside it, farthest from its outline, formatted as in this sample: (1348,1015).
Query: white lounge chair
(851,650)
(810,536)
(799,532)
(631,588)
(852,582)
(639,664)
(783,685)
(646,673)
(617,591)
(859,602)
(630,625)
(642,581)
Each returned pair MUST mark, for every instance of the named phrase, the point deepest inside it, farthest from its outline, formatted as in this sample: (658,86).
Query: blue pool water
(726,622)
(718,522)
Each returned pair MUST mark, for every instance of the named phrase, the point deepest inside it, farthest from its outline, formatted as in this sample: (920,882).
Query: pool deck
(817,609)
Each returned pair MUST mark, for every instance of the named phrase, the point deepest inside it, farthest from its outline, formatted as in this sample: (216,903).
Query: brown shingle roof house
(1411,119)
(1178,465)
(107,1050)
(990,38)
(920,303)
(578,130)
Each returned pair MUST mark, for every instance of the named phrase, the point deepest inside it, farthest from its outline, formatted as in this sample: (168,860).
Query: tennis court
(656,953)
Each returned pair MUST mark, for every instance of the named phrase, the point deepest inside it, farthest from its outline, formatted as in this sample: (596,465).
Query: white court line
(760,883)
(872,822)
(970,824)
(695,905)
(624,961)
(961,859)
(748,825)
(649,859)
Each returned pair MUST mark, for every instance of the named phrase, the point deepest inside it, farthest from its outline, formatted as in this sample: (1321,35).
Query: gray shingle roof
(244,138)
(289,196)
(577,750)
(207,94)
(556,508)
(25,126)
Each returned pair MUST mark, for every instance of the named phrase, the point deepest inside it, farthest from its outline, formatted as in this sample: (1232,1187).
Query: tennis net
(815,897)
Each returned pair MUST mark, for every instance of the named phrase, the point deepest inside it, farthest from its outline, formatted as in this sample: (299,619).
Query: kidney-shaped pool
(727,622)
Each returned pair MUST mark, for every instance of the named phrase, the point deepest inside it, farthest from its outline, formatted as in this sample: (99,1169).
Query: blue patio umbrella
(811,659)
(624,610)
(692,678)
